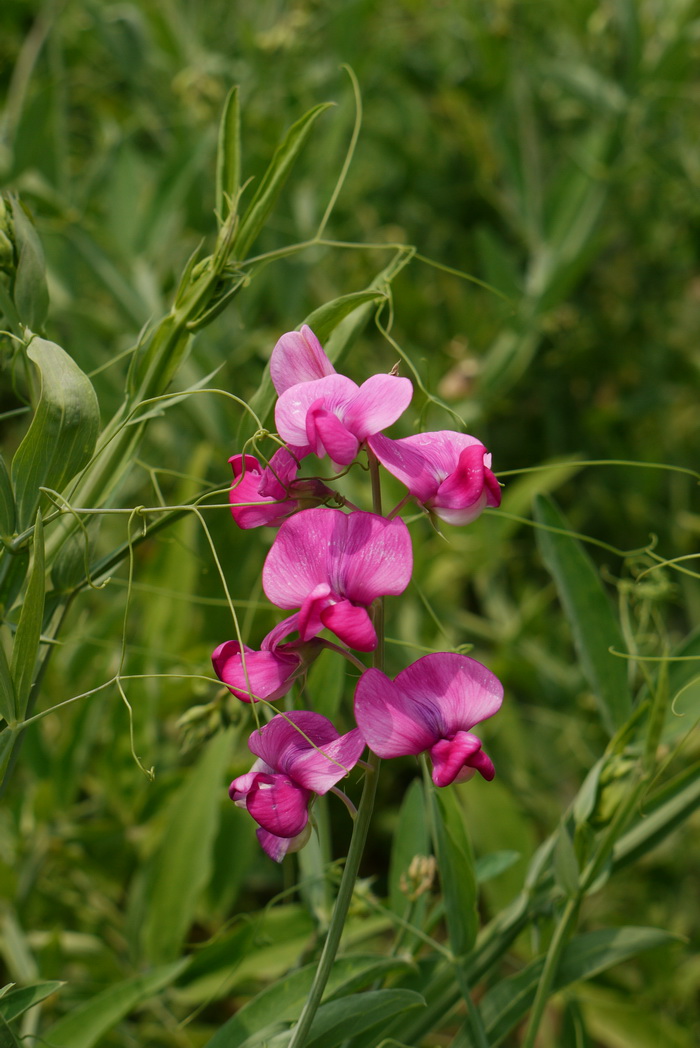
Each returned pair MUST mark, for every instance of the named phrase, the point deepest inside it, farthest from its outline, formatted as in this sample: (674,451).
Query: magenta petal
(460,690)
(376,558)
(311,612)
(449,756)
(326,434)
(278,804)
(393,723)
(298,357)
(264,675)
(275,847)
(320,769)
(296,563)
(287,735)
(378,403)
(422,462)
(331,393)
(351,624)
(493,488)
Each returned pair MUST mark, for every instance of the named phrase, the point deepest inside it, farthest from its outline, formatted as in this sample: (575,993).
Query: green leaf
(8,705)
(503,1007)
(566,869)
(338,1020)
(661,814)
(410,839)
(593,623)
(16,1002)
(490,866)
(85,1025)
(274,178)
(283,1001)
(228,156)
(7,502)
(324,320)
(180,868)
(456,865)
(30,292)
(27,637)
(63,433)
(7,1038)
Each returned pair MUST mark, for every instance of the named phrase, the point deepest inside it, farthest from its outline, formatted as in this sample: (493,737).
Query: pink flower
(300,754)
(431,706)
(449,473)
(270,495)
(266,674)
(322,412)
(332,565)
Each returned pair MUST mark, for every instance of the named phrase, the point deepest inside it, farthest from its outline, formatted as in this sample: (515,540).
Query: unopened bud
(419,877)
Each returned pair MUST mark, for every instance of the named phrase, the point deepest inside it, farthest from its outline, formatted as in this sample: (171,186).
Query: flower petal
(278,804)
(298,357)
(296,563)
(423,461)
(377,404)
(278,847)
(375,559)
(326,434)
(280,741)
(249,506)
(320,769)
(393,723)
(449,756)
(460,690)
(331,393)
(351,624)
(462,496)
(262,675)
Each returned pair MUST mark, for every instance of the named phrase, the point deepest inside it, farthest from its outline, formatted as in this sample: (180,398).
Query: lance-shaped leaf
(593,623)
(7,688)
(274,178)
(456,865)
(228,156)
(62,436)
(16,1002)
(7,502)
(30,292)
(28,635)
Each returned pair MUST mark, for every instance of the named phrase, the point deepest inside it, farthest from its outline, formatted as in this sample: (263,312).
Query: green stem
(544,987)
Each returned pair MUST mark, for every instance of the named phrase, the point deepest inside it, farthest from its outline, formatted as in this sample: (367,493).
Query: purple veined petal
(298,357)
(450,756)
(374,560)
(331,393)
(326,434)
(279,805)
(265,675)
(278,847)
(296,563)
(280,741)
(377,404)
(393,723)
(351,624)
(460,690)
(320,769)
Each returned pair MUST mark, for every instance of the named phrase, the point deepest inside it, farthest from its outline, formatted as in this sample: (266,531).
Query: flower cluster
(330,567)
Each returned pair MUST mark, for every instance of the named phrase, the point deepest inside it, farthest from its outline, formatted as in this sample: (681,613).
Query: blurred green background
(548,150)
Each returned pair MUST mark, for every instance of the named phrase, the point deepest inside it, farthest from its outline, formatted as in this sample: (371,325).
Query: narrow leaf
(85,1025)
(62,436)
(456,865)
(503,1007)
(7,689)
(338,1020)
(16,1002)
(661,814)
(7,1038)
(228,156)
(7,502)
(30,292)
(274,178)
(410,839)
(593,623)
(180,868)
(27,637)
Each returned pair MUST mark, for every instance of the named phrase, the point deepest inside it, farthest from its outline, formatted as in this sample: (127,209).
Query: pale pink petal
(460,690)
(326,434)
(319,769)
(449,756)
(279,805)
(331,393)
(375,558)
(393,723)
(296,563)
(280,741)
(298,357)
(377,404)
(264,675)
(351,624)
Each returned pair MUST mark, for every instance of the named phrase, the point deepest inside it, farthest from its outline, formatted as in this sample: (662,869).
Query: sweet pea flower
(332,565)
(449,473)
(322,412)
(266,674)
(299,754)
(431,706)
(267,496)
